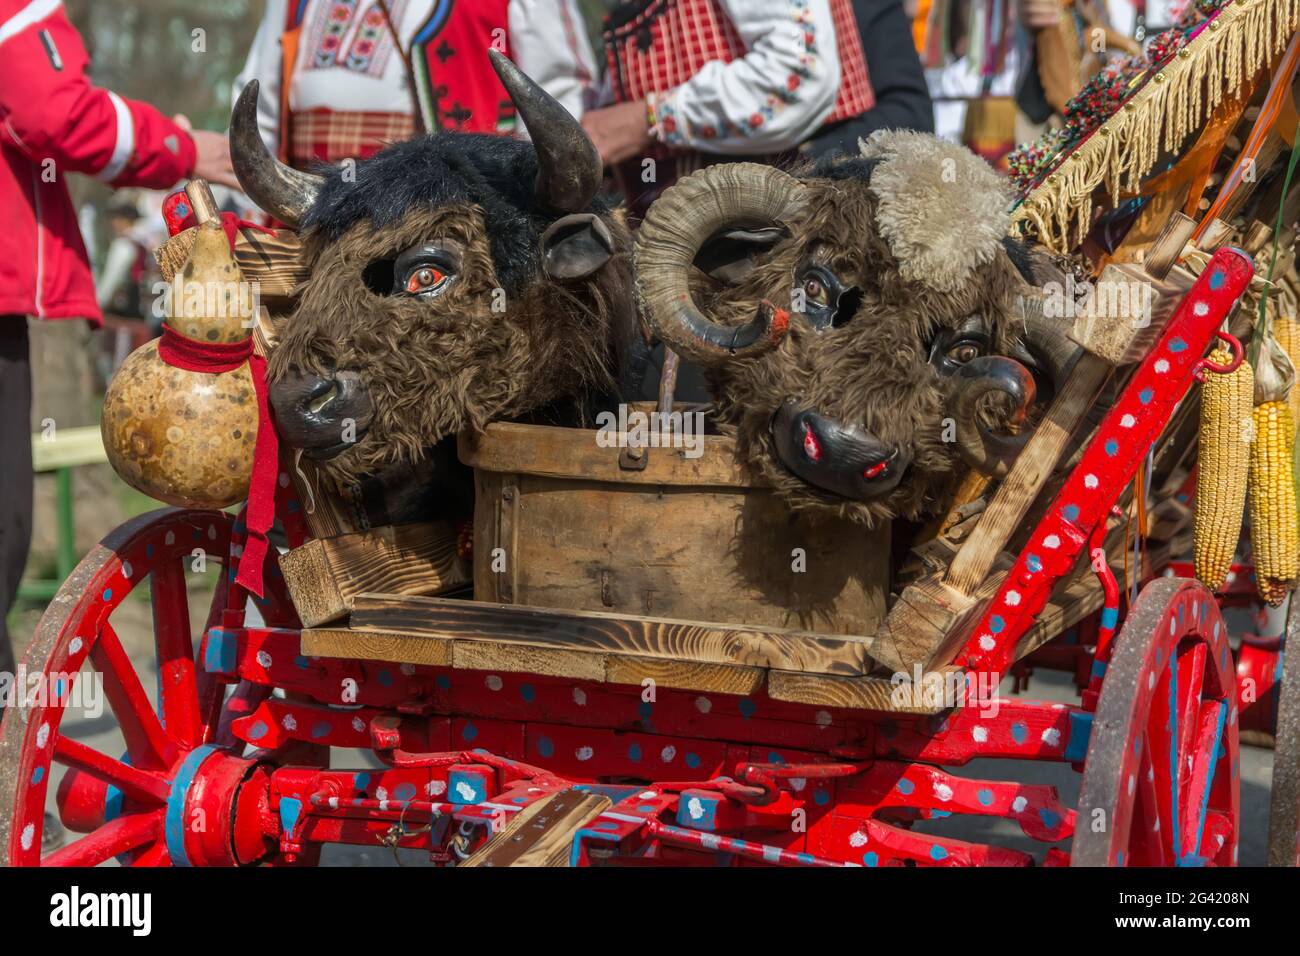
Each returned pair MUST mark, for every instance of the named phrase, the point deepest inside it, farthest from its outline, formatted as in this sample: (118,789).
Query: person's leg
(15,469)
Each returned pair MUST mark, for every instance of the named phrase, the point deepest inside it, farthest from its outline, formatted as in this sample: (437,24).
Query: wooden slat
(339,642)
(928,618)
(527,659)
(67,448)
(580,664)
(573,453)
(859,693)
(871,693)
(684,675)
(542,833)
(325,575)
(1027,474)
(652,637)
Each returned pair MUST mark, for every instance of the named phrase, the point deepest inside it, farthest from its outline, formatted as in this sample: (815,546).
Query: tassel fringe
(1242,38)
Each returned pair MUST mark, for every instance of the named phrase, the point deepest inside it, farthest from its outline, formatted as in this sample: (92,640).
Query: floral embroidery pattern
(676,130)
(370,46)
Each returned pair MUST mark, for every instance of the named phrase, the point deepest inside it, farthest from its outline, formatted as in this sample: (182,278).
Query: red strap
(183,352)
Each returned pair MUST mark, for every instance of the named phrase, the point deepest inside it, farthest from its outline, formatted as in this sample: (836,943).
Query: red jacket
(54,122)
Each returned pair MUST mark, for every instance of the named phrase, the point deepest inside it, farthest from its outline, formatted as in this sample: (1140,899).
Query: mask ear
(732,254)
(941,208)
(575,246)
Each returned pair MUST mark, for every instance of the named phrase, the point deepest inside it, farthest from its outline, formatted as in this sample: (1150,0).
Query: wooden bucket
(560,522)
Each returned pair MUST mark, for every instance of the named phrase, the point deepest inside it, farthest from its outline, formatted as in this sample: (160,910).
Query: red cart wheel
(1162,776)
(135,808)
(1284,801)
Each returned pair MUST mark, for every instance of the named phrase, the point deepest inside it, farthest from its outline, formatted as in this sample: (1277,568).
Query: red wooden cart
(578,766)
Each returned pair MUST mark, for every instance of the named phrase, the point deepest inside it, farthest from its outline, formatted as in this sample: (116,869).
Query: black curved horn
(986,452)
(569,169)
(286,193)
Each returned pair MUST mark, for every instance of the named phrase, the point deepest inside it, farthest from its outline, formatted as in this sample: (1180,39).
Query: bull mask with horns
(568,166)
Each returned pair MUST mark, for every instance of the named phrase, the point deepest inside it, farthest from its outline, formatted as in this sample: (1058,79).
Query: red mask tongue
(811,446)
(877,469)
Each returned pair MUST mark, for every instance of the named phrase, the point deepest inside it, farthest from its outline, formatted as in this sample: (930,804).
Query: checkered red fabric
(855,96)
(325,135)
(667,42)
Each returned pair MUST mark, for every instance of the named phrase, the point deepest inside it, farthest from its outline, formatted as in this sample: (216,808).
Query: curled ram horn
(569,169)
(286,193)
(677,225)
(1044,348)
(982,449)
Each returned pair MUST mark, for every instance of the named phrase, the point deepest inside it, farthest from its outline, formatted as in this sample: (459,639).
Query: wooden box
(561,522)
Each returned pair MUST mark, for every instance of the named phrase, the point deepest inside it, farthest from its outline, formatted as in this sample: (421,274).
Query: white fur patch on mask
(942,209)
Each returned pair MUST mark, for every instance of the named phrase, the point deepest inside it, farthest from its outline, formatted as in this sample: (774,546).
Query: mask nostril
(320,401)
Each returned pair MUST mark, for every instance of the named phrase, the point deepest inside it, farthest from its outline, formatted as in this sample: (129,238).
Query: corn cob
(1222,467)
(1287,332)
(1273,521)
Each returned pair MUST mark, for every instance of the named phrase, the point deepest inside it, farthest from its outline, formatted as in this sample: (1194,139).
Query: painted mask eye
(815,291)
(964,352)
(424,280)
(425,270)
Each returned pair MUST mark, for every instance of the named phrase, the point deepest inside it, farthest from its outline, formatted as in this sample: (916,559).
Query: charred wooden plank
(542,833)
(326,574)
(375,646)
(618,633)
(684,675)
(864,693)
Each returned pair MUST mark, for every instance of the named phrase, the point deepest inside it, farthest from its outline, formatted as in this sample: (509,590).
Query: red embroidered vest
(455,85)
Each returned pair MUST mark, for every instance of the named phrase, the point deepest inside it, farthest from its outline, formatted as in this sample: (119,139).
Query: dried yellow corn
(1273,521)
(1222,467)
(1287,332)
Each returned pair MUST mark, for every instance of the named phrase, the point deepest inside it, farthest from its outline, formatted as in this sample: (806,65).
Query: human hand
(212,154)
(619,132)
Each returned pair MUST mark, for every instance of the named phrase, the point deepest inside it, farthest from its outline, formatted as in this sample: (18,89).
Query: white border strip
(33,13)
(125,144)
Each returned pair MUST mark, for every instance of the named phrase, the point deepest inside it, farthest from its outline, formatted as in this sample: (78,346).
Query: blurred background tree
(179,55)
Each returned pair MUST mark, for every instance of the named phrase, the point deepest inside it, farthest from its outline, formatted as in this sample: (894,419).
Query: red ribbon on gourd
(181,351)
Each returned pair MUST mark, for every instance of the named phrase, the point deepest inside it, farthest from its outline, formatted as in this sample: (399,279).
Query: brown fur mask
(903,290)
(473,354)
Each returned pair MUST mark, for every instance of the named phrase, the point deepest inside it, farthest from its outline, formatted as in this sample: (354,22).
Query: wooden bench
(60,452)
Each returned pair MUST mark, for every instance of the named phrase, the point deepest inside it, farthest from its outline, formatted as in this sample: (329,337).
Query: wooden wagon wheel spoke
(1154,846)
(1161,763)
(1191,673)
(118,803)
(1161,771)
(211,692)
(147,742)
(1200,778)
(177,684)
(113,839)
(1218,831)
(136,784)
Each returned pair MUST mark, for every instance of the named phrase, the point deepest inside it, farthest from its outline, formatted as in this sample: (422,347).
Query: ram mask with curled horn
(871,336)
